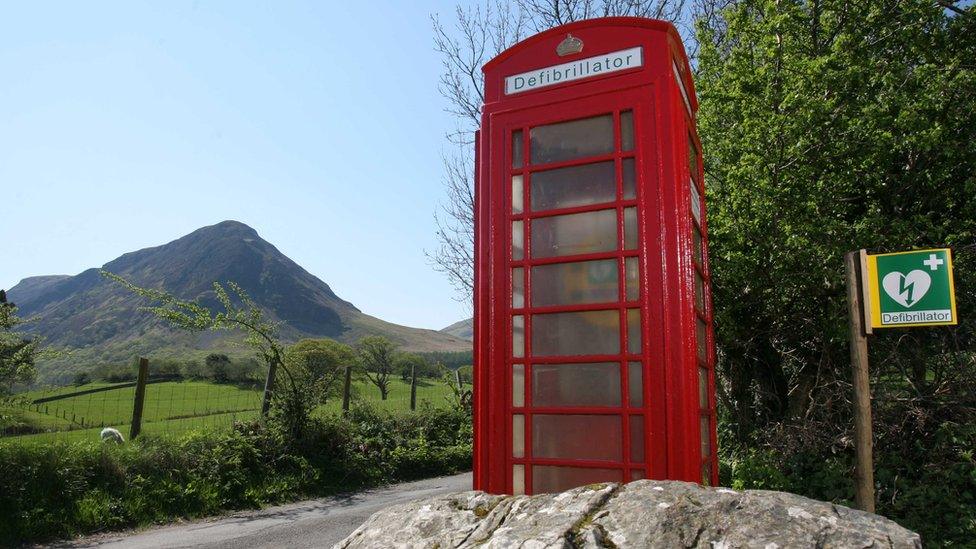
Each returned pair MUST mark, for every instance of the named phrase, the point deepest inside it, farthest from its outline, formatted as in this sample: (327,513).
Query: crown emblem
(569,45)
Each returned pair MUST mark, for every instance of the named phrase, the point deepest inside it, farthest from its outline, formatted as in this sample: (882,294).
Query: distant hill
(101,322)
(463,329)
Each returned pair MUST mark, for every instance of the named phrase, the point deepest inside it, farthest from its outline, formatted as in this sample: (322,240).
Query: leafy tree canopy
(319,358)
(377,356)
(829,126)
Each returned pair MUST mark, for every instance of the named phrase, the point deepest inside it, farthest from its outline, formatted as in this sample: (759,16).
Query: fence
(171,404)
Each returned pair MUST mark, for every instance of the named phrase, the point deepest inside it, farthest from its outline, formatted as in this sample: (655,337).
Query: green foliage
(828,127)
(115,373)
(466,373)
(316,367)
(60,489)
(450,359)
(377,357)
(320,359)
(461,398)
(406,363)
(931,489)
(218,365)
(410,446)
(18,352)
(220,370)
(81,378)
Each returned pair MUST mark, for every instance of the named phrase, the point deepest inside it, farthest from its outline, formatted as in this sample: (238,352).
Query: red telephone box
(593,323)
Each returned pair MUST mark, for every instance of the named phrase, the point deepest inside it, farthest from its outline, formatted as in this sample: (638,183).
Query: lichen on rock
(639,514)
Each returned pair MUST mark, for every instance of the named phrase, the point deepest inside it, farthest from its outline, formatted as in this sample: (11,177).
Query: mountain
(463,329)
(31,287)
(99,321)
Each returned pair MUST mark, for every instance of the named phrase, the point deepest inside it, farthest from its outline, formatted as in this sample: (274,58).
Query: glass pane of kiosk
(518,385)
(635,383)
(566,436)
(575,403)
(577,282)
(581,384)
(627,131)
(574,186)
(574,234)
(573,139)
(576,333)
(630,179)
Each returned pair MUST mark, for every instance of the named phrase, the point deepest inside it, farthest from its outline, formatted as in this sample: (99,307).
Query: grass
(436,392)
(175,407)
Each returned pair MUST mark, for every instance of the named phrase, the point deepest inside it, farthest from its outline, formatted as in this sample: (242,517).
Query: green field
(175,407)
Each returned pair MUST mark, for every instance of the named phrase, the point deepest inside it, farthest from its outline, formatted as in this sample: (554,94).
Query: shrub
(67,489)
(930,488)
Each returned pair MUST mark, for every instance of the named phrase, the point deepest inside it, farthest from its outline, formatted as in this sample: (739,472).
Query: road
(315,523)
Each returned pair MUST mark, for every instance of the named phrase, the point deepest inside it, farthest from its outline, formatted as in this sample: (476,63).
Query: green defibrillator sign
(910,289)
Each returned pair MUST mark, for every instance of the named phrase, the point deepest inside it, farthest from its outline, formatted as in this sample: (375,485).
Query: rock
(645,513)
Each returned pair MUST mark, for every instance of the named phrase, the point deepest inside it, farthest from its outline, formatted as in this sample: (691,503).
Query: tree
(377,357)
(478,34)
(829,126)
(320,363)
(218,366)
(408,363)
(81,378)
(316,366)
(18,351)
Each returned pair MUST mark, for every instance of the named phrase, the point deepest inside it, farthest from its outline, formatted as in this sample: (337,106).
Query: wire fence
(175,405)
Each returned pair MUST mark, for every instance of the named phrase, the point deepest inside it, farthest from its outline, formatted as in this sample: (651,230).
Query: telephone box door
(583,381)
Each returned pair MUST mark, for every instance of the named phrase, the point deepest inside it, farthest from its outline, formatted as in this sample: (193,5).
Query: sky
(125,125)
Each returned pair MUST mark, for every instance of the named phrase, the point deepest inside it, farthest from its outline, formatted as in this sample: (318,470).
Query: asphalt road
(315,523)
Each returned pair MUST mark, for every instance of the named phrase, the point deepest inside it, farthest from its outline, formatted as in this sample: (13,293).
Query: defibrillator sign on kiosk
(593,317)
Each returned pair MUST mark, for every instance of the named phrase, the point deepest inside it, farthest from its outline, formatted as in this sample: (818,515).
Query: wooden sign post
(864,467)
(895,290)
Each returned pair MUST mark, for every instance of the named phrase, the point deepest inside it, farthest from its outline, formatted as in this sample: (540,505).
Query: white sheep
(112,435)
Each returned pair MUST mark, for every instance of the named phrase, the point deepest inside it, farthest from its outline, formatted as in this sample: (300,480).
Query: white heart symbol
(908,289)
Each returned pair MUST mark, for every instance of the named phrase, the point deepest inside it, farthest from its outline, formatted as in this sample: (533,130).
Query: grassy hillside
(463,329)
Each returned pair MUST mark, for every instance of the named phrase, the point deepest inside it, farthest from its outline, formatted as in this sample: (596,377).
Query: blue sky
(127,124)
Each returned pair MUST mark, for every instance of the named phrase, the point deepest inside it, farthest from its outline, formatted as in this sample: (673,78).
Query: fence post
(346,388)
(457,378)
(413,387)
(268,388)
(140,400)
